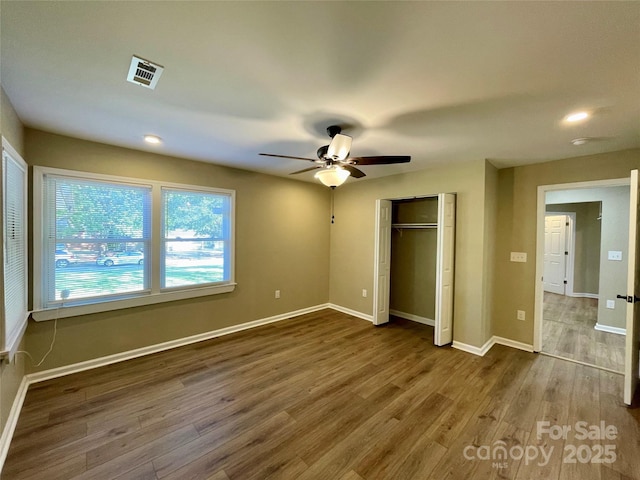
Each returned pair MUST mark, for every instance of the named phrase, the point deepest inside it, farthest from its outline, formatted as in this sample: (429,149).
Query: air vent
(143,72)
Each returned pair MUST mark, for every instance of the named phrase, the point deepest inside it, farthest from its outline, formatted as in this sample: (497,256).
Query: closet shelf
(414,225)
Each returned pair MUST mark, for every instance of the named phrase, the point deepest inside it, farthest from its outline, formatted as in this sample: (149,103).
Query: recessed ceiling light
(152,139)
(576,117)
(580,141)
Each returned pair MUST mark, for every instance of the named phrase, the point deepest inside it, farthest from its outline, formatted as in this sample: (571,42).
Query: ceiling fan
(334,162)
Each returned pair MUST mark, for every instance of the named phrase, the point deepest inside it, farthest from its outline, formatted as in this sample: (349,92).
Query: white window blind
(15,276)
(97,236)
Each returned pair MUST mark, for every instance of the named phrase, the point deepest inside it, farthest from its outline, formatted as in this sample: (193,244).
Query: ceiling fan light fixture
(333,176)
(339,147)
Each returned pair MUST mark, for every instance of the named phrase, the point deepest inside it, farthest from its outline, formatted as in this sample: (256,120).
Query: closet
(414,262)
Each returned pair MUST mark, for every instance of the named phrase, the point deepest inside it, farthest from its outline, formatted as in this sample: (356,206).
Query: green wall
(352,240)
(282,243)
(516,229)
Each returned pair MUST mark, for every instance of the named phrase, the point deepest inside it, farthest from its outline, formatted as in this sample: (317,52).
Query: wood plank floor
(322,396)
(568,332)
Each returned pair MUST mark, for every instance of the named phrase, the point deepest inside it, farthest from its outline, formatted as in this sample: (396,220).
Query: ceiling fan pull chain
(332,215)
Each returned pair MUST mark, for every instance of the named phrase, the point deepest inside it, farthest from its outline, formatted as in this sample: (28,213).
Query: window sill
(13,339)
(152,299)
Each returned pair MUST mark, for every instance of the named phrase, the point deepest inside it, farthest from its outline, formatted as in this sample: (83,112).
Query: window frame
(164,240)
(155,294)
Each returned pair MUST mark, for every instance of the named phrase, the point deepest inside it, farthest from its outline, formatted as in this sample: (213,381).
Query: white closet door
(443,332)
(382,266)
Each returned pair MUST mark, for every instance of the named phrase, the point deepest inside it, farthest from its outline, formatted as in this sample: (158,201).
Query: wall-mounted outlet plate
(521,315)
(614,255)
(611,304)
(364,292)
(277,295)
(519,257)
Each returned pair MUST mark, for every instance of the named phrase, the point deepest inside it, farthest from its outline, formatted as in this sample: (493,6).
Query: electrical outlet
(364,292)
(521,315)
(277,293)
(611,304)
(519,257)
(614,255)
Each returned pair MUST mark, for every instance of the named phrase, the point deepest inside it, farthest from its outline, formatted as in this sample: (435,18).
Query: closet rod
(414,225)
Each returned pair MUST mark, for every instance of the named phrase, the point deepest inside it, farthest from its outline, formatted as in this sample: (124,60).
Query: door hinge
(566,224)
(565,282)
(566,253)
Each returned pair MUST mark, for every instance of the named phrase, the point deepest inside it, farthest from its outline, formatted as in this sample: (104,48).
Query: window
(195,237)
(92,225)
(100,244)
(14,252)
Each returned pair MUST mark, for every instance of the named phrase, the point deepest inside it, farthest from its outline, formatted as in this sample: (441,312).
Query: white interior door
(382,266)
(555,259)
(631,363)
(443,331)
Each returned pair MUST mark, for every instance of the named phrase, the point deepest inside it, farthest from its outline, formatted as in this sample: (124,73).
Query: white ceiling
(441,81)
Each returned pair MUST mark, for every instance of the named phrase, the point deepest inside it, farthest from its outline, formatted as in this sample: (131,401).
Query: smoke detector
(144,73)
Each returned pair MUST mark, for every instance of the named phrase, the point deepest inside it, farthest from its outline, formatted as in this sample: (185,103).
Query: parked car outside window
(120,258)
(64,258)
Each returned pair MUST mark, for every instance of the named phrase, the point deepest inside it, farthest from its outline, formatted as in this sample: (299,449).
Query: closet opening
(414,262)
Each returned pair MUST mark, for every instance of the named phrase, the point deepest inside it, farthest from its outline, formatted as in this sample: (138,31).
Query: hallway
(568,332)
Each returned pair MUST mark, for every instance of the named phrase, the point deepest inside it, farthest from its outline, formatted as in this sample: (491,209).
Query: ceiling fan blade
(355,173)
(307,169)
(287,156)
(339,147)
(383,160)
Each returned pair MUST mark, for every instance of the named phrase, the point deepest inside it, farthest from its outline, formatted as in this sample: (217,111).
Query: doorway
(572,326)
(559,250)
(433,219)
(585,250)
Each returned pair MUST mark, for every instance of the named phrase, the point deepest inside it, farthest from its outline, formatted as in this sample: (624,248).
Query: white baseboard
(512,343)
(480,351)
(413,318)
(348,311)
(608,329)
(160,347)
(495,340)
(583,295)
(12,420)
